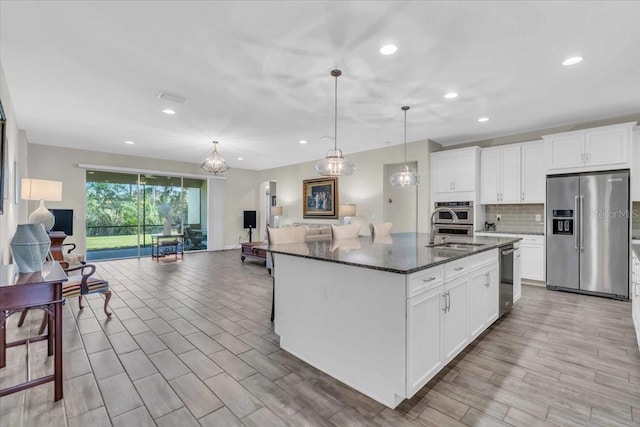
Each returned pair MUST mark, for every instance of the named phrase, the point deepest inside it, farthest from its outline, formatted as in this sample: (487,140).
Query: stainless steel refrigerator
(587,224)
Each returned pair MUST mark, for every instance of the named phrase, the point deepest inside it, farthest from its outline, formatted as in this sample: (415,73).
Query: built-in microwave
(463,210)
(462,230)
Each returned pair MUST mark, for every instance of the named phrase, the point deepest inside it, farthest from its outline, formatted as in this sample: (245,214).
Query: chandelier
(215,163)
(335,164)
(405,177)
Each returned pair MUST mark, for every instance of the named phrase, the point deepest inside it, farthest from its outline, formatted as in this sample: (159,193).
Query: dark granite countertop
(402,253)
(529,233)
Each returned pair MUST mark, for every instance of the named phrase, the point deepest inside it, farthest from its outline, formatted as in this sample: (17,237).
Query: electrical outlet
(538,217)
(498,217)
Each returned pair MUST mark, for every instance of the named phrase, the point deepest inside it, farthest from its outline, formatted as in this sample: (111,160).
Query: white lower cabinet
(424,332)
(455,317)
(517,275)
(443,319)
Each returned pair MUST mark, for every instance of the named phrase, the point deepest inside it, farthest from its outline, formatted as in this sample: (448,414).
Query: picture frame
(4,166)
(320,198)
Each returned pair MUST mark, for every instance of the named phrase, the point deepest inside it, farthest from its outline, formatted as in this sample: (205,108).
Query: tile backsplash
(519,218)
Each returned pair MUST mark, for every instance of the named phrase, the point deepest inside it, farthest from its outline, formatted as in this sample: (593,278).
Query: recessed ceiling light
(169,111)
(303,141)
(451,95)
(483,119)
(388,49)
(240,158)
(129,142)
(572,61)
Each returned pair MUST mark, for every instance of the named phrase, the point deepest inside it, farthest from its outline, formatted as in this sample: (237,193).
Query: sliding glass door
(124,210)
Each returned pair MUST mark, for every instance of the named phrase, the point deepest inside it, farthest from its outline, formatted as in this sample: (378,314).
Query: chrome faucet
(433,225)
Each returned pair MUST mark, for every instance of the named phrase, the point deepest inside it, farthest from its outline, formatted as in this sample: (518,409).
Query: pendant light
(335,164)
(215,163)
(405,177)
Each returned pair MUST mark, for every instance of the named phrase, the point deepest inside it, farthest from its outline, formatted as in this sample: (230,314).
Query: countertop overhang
(402,253)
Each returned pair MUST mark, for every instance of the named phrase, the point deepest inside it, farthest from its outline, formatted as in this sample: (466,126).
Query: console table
(249,250)
(167,244)
(43,290)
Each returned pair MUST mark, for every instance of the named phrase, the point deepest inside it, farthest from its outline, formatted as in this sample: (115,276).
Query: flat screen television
(64,220)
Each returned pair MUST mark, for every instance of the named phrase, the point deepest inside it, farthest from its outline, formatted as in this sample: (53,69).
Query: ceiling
(256,75)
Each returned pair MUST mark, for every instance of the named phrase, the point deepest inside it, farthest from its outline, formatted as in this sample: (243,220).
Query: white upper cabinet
(589,149)
(500,175)
(454,171)
(533,173)
(635,168)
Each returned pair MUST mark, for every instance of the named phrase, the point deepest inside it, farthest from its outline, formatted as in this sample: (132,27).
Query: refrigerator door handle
(581,222)
(576,215)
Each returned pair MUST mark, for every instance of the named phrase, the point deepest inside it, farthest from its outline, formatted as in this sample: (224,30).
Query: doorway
(400,204)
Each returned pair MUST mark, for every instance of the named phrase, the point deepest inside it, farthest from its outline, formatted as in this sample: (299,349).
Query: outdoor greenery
(112,208)
(115,242)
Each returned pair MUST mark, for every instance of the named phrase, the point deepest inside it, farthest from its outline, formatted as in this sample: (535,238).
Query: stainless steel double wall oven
(445,225)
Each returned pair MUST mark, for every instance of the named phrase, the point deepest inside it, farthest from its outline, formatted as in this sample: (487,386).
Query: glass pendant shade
(405,177)
(215,163)
(334,164)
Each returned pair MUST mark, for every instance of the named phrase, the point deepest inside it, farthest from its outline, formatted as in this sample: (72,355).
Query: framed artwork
(4,172)
(320,198)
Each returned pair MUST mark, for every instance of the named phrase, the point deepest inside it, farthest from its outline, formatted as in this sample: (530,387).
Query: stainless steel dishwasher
(506,277)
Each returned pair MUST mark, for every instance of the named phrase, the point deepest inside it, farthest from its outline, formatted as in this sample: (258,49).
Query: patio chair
(193,238)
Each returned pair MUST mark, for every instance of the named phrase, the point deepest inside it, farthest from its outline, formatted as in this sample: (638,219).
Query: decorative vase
(167,227)
(30,246)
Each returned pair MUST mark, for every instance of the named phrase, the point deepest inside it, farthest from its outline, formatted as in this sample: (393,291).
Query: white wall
(14,214)
(364,188)
(61,164)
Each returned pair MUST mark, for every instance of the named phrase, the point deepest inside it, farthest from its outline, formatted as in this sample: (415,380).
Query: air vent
(173,98)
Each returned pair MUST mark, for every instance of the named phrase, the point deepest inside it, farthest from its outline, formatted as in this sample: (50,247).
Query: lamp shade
(276,210)
(347,210)
(41,189)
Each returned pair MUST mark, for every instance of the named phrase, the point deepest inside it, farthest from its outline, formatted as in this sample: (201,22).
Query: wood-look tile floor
(190,343)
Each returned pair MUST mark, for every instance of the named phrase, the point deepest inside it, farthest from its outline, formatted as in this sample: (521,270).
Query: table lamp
(276,212)
(347,211)
(41,189)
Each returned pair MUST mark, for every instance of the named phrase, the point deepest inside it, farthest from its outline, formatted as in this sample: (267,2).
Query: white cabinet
(455,317)
(424,338)
(517,275)
(454,171)
(484,304)
(635,295)
(500,175)
(532,258)
(533,178)
(589,149)
(444,317)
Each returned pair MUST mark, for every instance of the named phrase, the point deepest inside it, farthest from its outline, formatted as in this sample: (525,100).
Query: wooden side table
(249,250)
(20,291)
(167,244)
(57,238)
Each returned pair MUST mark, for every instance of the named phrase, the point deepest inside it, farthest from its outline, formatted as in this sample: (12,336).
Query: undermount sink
(456,245)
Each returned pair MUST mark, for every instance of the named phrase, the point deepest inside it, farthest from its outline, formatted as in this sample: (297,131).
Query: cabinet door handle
(523,196)
(448,301)
(430,279)
(445,302)
(486,285)
(582,157)
(459,268)
(587,156)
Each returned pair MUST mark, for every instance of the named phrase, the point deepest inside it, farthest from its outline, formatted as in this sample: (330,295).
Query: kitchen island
(386,315)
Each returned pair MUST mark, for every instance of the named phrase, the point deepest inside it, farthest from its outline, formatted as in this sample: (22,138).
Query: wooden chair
(79,286)
(380,229)
(348,231)
(282,236)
